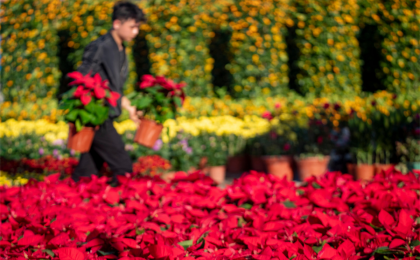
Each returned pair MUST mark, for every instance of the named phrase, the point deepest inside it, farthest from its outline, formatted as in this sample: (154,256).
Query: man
(107,56)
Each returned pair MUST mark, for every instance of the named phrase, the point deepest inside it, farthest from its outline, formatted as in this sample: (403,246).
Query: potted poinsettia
(85,106)
(159,99)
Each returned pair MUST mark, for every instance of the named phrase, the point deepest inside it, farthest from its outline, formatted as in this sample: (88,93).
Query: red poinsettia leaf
(396,243)
(86,99)
(69,254)
(53,178)
(130,242)
(112,196)
(177,219)
(327,252)
(385,218)
(405,223)
(30,240)
(60,240)
(346,248)
(99,92)
(75,75)
(158,251)
(94,243)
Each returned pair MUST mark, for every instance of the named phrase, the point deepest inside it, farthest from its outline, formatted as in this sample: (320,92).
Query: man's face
(127,30)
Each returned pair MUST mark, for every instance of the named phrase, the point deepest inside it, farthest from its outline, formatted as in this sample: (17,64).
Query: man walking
(107,56)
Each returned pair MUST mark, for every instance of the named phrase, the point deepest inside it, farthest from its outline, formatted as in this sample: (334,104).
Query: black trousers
(107,146)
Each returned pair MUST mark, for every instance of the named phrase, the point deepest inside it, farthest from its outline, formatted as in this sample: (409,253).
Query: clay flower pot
(148,132)
(218,173)
(80,141)
(237,163)
(364,172)
(382,167)
(312,166)
(279,166)
(257,164)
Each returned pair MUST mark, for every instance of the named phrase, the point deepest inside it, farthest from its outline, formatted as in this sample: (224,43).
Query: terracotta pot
(218,173)
(238,163)
(351,169)
(203,162)
(80,141)
(382,167)
(364,172)
(148,132)
(257,164)
(312,166)
(279,166)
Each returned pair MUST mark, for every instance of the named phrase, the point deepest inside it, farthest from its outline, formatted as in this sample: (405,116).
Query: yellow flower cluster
(5,180)
(247,127)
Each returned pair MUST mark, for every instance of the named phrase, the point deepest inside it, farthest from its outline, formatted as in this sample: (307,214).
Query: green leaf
(85,116)
(316,185)
(91,107)
(246,206)
(401,184)
(144,102)
(300,192)
(186,244)
(72,115)
(415,243)
(78,125)
(178,101)
(241,222)
(289,204)
(383,250)
(317,249)
(52,220)
(48,251)
(140,231)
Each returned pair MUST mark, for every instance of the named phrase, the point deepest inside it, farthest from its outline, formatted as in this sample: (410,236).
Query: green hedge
(252,48)
(29,49)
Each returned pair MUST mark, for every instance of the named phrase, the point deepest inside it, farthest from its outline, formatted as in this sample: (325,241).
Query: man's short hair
(124,11)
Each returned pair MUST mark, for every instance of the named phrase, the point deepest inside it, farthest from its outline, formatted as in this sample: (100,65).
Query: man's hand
(132,111)
(134,115)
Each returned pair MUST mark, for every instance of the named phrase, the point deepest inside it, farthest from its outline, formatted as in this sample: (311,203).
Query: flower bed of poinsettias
(257,217)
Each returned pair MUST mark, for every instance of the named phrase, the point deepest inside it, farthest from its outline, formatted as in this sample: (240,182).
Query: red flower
(286,147)
(147,81)
(80,91)
(326,105)
(113,99)
(267,115)
(86,98)
(99,91)
(319,140)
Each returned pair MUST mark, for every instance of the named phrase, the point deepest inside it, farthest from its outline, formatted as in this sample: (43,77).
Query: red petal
(327,252)
(75,75)
(99,92)
(70,254)
(405,223)
(347,249)
(30,241)
(130,243)
(160,251)
(396,243)
(86,99)
(385,218)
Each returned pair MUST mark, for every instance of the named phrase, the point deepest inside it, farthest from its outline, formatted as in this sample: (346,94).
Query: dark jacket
(103,56)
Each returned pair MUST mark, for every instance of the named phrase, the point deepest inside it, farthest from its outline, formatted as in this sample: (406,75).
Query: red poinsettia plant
(158,97)
(86,102)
